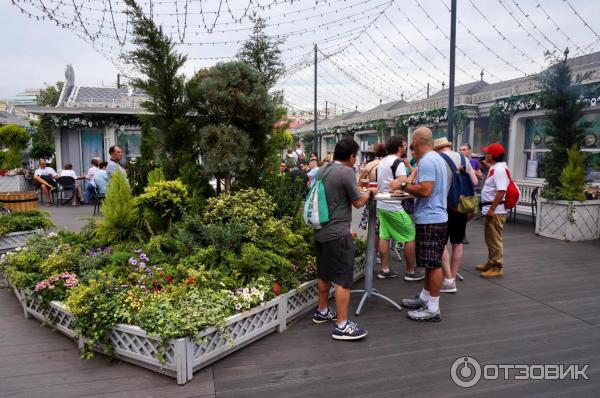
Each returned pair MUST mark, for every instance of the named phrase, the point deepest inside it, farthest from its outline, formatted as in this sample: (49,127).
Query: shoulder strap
(394,166)
(326,172)
(449,162)
(508,174)
(463,162)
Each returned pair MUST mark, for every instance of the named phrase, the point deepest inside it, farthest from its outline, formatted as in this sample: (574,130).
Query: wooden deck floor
(545,311)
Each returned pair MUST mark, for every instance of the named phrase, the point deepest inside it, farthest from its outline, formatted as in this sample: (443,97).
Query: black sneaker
(413,303)
(417,275)
(349,332)
(387,275)
(330,315)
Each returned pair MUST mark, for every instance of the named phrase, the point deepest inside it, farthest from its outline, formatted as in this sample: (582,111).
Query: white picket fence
(182,357)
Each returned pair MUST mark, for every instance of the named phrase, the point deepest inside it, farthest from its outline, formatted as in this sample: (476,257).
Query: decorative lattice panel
(125,342)
(360,266)
(553,220)
(586,223)
(304,297)
(53,315)
(560,220)
(236,332)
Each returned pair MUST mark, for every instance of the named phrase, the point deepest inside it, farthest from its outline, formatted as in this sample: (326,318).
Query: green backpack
(316,212)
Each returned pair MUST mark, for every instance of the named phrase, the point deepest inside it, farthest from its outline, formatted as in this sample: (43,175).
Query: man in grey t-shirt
(334,244)
(115,153)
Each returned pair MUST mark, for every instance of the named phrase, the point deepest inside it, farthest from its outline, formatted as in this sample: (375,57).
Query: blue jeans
(89,193)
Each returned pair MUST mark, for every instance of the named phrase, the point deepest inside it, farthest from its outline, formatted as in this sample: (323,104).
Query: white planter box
(569,221)
(12,183)
(184,356)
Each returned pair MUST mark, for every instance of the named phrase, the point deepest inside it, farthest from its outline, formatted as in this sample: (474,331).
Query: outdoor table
(368,289)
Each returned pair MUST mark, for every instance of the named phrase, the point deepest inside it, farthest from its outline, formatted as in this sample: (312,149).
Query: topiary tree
(224,153)
(232,95)
(15,138)
(120,212)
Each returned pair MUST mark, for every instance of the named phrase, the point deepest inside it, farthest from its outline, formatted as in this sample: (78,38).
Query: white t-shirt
(90,175)
(68,173)
(47,171)
(497,180)
(384,176)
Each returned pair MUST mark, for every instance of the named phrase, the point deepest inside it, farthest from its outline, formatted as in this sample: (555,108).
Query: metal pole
(315,138)
(326,109)
(451,88)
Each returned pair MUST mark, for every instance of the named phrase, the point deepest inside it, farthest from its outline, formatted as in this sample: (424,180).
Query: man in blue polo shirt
(431,223)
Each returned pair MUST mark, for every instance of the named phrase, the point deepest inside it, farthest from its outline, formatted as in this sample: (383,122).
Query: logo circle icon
(465,372)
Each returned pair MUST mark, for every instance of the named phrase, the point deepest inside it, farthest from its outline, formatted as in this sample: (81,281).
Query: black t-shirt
(297,173)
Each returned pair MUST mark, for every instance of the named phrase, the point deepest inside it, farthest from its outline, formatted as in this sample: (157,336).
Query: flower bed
(168,289)
(180,358)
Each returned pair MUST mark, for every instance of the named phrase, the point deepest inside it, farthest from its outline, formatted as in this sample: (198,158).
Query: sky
(369,50)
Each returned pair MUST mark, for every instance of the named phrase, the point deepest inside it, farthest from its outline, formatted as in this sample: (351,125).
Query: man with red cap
(492,206)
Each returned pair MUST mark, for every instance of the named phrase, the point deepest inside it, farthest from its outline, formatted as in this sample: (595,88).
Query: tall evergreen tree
(169,131)
(565,123)
(262,52)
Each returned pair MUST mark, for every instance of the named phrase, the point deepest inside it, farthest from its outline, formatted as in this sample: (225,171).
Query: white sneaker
(448,287)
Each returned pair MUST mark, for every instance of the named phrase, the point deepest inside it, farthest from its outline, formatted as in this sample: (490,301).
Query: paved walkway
(545,311)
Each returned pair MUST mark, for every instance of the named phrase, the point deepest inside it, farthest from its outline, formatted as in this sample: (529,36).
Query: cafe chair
(66,185)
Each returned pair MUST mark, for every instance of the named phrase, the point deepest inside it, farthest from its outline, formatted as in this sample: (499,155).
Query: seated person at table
(101,178)
(44,176)
(67,171)
(91,185)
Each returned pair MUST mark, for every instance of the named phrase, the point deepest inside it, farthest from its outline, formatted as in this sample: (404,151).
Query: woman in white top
(91,184)
(67,171)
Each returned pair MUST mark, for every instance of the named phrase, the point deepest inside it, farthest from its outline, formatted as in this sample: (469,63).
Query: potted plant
(563,211)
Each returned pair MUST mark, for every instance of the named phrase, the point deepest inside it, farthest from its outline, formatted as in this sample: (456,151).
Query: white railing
(527,187)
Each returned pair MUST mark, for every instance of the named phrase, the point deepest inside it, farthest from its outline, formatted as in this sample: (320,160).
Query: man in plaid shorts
(431,224)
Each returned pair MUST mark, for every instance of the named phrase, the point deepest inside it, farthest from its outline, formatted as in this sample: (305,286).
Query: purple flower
(138,251)
(142,265)
(133,261)
(143,257)
(149,271)
(123,286)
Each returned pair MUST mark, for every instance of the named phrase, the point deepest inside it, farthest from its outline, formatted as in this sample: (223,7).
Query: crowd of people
(96,178)
(431,229)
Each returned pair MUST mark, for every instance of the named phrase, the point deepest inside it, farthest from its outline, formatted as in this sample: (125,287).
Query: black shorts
(457,225)
(430,242)
(335,260)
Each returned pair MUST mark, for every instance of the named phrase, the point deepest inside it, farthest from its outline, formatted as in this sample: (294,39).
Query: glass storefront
(538,143)
(129,140)
(483,137)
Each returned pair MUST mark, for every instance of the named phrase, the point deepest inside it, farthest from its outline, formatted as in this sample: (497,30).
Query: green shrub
(168,199)
(285,193)
(15,138)
(250,207)
(120,212)
(155,176)
(572,178)
(24,221)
